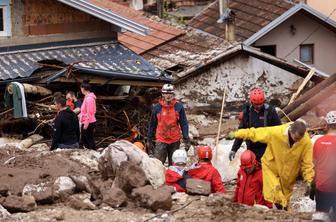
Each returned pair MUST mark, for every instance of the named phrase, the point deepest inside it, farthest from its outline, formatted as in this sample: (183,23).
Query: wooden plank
(303,84)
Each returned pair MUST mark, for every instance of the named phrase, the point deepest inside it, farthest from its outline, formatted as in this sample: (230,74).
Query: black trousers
(162,150)
(87,136)
(325,201)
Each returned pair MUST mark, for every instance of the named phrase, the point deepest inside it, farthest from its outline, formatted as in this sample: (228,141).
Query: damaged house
(56,49)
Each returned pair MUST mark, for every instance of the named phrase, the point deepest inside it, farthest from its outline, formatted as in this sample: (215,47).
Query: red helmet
(257,96)
(204,152)
(247,159)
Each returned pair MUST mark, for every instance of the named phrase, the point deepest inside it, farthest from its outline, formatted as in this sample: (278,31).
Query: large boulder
(198,187)
(16,204)
(115,197)
(64,187)
(43,193)
(117,152)
(153,199)
(154,170)
(129,176)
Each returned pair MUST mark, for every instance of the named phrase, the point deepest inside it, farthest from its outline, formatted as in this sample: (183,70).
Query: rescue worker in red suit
(176,175)
(324,157)
(205,171)
(167,120)
(249,181)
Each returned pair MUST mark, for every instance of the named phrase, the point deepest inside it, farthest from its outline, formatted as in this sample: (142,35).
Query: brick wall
(43,17)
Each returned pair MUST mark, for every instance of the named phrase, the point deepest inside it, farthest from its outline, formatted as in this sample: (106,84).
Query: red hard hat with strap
(204,152)
(257,96)
(247,159)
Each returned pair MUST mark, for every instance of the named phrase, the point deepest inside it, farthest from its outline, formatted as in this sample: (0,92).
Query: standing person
(74,103)
(87,116)
(258,114)
(204,170)
(324,155)
(249,181)
(176,175)
(289,150)
(66,128)
(167,120)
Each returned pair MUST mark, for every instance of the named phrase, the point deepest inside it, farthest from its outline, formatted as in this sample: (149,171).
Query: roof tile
(251,16)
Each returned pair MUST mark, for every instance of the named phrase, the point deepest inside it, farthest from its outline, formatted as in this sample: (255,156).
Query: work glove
(232,155)
(312,191)
(187,144)
(230,135)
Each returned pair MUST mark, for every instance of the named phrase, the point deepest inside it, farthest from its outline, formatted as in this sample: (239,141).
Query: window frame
(312,53)
(5,21)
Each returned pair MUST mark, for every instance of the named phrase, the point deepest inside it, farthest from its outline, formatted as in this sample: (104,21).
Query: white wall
(242,74)
(324,41)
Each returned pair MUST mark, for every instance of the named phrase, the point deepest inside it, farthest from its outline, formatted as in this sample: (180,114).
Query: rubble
(154,170)
(153,199)
(64,186)
(4,190)
(199,187)
(3,212)
(81,202)
(16,204)
(129,176)
(87,158)
(43,193)
(115,197)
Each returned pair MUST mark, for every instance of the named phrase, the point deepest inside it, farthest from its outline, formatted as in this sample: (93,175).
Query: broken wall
(241,74)
(39,21)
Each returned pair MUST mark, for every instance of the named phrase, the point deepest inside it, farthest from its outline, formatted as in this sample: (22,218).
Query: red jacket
(70,104)
(168,128)
(205,171)
(171,179)
(325,163)
(249,188)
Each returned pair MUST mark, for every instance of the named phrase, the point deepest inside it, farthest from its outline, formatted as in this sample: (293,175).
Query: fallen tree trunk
(309,94)
(28,142)
(312,102)
(28,88)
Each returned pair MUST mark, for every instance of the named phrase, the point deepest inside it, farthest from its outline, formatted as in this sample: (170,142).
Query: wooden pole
(160,8)
(220,121)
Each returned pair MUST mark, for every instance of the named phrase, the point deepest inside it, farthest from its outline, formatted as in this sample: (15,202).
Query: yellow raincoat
(281,163)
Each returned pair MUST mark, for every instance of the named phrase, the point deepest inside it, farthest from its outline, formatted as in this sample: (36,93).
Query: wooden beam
(104,81)
(303,84)
(112,98)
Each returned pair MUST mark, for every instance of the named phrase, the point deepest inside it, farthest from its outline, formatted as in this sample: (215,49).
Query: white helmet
(167,88)
(331,118)
(179,156)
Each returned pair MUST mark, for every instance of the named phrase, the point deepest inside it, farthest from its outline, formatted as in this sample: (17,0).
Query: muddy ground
(40,165)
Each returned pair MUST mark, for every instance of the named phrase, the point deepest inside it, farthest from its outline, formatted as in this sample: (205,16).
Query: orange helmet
(247,159)
(257,96)
(139,145)
(204,152)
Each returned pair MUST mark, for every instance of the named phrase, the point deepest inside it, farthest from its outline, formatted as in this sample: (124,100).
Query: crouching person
(205,171)
(176,175)
(66,127)
(249,181)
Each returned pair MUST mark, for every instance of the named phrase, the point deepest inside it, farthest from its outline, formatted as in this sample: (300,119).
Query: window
(4,23)
(307,53)
(269,49)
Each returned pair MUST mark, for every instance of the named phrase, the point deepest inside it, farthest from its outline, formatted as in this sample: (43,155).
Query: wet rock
(115,197)
(3,212)
(42,192)
(81,202)
(4,190)
(64,187)
(82,183)
(16,204)
(199,187)
(129,176)
(153,199)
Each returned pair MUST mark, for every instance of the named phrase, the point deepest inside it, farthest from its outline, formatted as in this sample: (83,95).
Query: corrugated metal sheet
(108,57)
